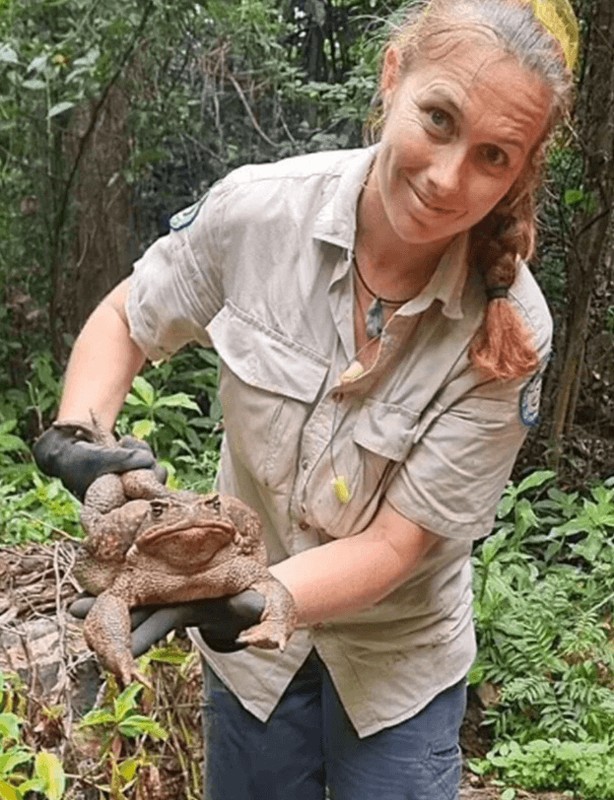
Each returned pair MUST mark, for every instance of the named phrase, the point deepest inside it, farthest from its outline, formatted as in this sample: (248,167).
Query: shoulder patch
(530,395)
(186,216)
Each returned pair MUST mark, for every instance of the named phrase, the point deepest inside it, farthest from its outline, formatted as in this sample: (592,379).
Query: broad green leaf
(98,716)
(89,59)
(31,785)
(126,701)
(573,196)
(8,55)
(11,443)
(168,655)
(133,400)
(59,108)
(8,792)
(38,64)
(127,769)
(143,389)
(180,400)
(137,725)
(9,761)
(35,84)
(9,726)
(143,428)
(535,479)
(48,768)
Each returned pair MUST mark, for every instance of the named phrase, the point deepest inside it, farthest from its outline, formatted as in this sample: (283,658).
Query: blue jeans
(309,744)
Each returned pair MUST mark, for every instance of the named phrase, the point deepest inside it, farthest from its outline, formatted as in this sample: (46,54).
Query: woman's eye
(494,156)
(441,120)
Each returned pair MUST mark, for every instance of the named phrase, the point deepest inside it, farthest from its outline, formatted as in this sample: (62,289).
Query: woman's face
(458,133)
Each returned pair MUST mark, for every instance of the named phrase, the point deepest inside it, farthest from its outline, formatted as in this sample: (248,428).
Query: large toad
(148,545)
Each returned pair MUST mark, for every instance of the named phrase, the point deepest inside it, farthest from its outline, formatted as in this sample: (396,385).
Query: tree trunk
(589,236)
(101,248)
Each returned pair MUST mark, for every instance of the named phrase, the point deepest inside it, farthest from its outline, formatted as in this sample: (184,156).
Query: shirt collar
(336,220)
(336,223)
(447,282)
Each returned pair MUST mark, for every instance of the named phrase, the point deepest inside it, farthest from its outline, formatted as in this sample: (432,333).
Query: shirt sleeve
(456,472)
(176,287)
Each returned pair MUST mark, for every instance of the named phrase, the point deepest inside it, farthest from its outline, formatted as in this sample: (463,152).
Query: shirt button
(304,463)
(304,526)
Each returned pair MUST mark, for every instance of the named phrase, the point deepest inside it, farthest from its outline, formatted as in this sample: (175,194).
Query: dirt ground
(44,645)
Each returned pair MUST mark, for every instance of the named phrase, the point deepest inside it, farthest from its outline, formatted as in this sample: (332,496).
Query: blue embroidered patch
(529,401)
(186,216)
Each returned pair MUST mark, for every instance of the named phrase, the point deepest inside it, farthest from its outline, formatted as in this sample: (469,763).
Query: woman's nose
(446,170)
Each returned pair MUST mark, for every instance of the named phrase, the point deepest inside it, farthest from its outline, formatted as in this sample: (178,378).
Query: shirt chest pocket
(366,450)
(268,384)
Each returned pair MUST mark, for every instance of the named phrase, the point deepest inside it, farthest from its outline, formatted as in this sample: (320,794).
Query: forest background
(115,115)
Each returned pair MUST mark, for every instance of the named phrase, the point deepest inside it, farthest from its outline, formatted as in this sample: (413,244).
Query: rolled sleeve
(176,287)
(455,474)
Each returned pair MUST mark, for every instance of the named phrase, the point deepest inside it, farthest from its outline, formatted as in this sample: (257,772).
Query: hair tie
(558,17)
(497,292)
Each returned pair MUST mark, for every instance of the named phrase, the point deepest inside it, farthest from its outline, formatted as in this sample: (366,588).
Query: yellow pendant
(342,490)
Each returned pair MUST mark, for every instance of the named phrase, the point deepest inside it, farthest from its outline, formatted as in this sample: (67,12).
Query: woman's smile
(429,205)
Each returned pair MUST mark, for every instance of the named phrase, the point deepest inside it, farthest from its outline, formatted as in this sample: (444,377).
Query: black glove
(77,462)
(219,620)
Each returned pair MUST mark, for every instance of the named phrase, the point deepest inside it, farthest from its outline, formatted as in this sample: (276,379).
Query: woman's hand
(219,620)
(60,453)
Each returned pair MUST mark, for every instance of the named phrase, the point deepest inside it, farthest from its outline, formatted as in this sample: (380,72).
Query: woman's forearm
(347,575)
(103,363)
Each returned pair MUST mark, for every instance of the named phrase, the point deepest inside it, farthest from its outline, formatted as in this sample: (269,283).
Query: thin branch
(250,113)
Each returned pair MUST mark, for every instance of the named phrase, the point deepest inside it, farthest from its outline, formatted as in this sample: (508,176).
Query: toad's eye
(494,156)
(441,121)
(157,508)
(214,503)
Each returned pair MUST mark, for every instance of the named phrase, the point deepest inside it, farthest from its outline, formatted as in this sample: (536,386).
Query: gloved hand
(219,620)
(61,454)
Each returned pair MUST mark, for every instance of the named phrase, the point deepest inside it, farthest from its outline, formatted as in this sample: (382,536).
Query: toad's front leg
(110,535)
(279,617)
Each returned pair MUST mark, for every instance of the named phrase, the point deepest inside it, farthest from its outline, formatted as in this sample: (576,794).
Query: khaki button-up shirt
(261,269)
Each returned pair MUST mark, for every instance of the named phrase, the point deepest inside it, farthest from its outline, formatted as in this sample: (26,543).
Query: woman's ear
(390,72)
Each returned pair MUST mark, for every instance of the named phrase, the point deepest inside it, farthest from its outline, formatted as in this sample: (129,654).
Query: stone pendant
(374,319)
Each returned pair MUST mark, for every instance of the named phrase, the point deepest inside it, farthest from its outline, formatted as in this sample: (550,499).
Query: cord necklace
(374,318)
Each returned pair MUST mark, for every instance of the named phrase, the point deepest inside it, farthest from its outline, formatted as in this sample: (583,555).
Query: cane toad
(148,545)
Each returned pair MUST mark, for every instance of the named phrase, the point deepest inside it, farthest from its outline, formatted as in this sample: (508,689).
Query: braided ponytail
(503,347)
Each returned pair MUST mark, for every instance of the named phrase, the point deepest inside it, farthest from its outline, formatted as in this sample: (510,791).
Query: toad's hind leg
(107,632)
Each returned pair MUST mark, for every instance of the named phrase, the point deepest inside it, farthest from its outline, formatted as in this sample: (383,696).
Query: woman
(381,341)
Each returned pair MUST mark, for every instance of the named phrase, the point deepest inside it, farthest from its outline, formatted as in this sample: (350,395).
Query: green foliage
(123,719)
(22,770)
(125,725)
(544,586)
(184,428)
(585,768)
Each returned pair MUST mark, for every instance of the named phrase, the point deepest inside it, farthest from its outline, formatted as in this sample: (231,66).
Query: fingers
(247,605)
(154,628)
(121,459)
(81,606)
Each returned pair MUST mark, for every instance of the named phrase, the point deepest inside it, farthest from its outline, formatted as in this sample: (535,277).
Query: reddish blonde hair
(503,347)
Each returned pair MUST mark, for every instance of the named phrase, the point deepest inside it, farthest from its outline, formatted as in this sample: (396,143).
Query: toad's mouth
(213,528)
